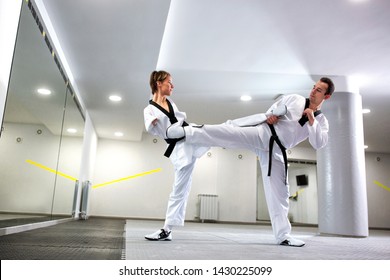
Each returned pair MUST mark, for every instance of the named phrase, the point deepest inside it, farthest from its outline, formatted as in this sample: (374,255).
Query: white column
(88,158)
(9,19)
(342,196)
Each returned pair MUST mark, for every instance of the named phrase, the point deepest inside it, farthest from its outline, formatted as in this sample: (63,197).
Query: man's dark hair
(330,84)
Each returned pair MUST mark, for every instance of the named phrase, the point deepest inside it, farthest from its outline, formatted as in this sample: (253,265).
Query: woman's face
(166,86)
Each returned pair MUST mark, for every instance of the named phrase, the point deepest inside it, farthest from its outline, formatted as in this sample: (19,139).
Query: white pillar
(342,196)
(90,143)
(9,19)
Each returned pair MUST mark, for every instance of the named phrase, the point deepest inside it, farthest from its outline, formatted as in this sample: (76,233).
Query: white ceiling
(217,50)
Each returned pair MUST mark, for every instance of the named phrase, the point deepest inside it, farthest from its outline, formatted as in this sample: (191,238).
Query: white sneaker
(279,111)
(292,242)
(175,131)
(160,235)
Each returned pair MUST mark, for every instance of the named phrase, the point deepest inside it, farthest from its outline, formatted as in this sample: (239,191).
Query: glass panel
(69,158)
(32,132)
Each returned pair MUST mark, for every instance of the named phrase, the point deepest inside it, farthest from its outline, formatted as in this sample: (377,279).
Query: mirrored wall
(42,132)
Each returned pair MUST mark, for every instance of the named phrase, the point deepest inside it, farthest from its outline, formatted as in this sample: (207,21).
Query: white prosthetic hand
(175,131)
(257,119)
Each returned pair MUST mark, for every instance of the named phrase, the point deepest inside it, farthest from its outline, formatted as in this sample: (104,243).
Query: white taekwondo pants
(177,202)
(255,139)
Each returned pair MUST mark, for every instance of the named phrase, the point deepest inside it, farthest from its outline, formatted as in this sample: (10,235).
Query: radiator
(208,207)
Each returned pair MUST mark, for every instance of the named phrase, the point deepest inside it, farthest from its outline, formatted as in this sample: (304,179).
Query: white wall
(236,185)
(378,189)
(221,173)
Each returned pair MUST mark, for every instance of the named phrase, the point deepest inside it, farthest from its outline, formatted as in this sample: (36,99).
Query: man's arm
(318,132)
(295,105)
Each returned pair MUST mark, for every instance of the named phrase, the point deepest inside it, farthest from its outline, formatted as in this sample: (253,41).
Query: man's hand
(309,113)
(272,119)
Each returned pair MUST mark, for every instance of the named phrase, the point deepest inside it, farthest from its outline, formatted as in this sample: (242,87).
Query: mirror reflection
(40,159)
(69,157)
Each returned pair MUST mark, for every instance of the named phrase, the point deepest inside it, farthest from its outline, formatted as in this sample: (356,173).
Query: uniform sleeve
(295,105)
(318,132)
(149,118)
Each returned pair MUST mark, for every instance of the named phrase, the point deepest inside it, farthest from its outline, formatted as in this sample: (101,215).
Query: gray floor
(119,239)
(215,241)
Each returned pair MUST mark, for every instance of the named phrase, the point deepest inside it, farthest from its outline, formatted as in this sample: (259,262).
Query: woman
(159,115)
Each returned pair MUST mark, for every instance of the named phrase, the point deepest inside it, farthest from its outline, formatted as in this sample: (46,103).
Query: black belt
(275,138)
(172,143)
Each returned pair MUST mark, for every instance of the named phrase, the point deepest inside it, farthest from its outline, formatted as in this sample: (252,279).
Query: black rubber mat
(27,220)
(91,239)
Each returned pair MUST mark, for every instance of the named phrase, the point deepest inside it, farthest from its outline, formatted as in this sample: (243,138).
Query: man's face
(317,94)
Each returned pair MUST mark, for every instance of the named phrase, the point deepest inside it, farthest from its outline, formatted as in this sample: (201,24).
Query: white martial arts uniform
(183,158)
(257,138)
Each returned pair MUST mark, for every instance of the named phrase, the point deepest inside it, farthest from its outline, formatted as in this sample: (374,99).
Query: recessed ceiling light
(358,1)
(365,146)
(118,134)
(44,91)
(366,111)
(246,98)
(115,98)
(71,130)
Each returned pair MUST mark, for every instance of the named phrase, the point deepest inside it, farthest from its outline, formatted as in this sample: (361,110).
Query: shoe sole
(291,245)
(163,239)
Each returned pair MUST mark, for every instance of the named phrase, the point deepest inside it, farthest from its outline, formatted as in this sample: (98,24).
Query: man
(288,122)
